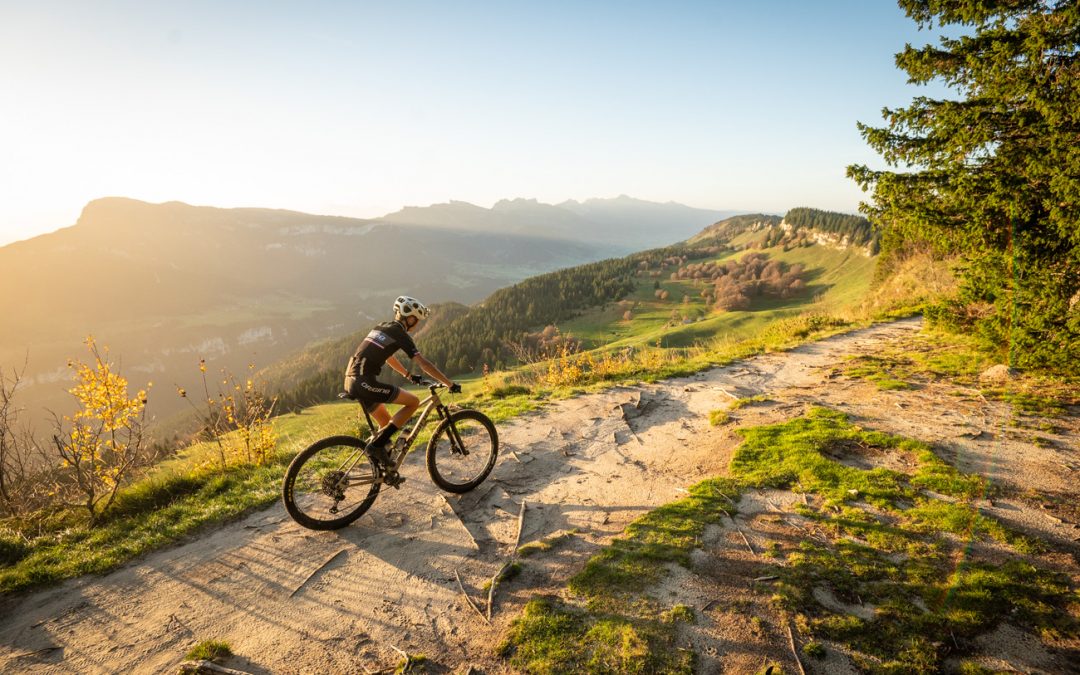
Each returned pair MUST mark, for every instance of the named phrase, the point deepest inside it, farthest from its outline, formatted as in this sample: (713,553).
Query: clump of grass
(890,384)
(1027,402)
(719,418)
(748,400)
(209,650)
(814,650)
(883,371)
(511,571)
(412,663)
(547,543)
(13,547)
(680,612)
(510,390)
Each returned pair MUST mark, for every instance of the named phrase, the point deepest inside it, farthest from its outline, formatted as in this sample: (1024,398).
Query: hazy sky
(359,108)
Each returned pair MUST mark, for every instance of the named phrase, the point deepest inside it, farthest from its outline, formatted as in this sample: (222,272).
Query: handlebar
(432,386)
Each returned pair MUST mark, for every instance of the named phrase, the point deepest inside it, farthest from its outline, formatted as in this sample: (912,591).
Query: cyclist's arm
(429,368)
(397,367)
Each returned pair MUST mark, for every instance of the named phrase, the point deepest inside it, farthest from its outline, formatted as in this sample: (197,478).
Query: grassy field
(836,278)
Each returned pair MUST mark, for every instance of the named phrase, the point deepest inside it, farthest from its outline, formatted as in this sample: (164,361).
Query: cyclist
(379,347)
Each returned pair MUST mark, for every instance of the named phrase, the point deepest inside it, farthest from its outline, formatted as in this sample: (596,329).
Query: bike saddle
(345,396)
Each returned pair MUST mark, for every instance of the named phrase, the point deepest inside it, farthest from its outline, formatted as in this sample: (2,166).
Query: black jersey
(380,344)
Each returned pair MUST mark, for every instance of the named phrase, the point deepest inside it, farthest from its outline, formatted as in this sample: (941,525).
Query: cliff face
(830,239)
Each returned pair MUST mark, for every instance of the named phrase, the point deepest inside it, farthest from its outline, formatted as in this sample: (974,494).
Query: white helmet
(405,306)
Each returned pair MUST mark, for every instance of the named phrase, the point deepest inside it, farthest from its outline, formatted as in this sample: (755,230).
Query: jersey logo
(379,339)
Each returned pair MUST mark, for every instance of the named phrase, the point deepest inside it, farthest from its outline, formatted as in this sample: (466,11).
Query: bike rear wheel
(462,451)
(330,484)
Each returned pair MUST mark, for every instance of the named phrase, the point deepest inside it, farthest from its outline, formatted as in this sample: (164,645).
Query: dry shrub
(236,419)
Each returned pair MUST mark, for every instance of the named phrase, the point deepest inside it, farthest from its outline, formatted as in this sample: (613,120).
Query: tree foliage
(992,174)
(854,230)
(104,440)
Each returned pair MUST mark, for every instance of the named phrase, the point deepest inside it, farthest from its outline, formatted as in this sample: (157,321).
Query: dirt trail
(594,463)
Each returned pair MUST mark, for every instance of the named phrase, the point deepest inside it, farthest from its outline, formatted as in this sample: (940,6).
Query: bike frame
(400,450)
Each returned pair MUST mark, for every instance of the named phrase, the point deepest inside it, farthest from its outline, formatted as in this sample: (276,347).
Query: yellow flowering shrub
(103,441)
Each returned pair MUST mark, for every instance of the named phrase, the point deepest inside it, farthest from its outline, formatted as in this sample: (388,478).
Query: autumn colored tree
(103,442)
(991,173)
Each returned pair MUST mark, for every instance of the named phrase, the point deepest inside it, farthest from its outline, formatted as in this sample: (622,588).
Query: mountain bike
(335,480)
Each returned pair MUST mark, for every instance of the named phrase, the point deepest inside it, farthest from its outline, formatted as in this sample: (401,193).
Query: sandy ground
(594,463)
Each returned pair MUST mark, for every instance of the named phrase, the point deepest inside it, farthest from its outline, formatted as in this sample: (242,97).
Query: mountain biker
(379,347)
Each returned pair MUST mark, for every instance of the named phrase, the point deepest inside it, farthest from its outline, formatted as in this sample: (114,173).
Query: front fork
(456,445)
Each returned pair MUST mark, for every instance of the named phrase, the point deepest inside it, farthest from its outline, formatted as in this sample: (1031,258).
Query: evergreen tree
(994,173)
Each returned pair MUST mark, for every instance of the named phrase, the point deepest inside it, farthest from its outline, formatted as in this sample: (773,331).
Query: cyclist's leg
(380,414)
(409,403)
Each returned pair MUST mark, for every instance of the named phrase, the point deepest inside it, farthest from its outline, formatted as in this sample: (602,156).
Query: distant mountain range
(623,223)
(167,284)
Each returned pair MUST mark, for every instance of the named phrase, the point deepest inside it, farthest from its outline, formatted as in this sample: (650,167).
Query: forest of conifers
(857,229)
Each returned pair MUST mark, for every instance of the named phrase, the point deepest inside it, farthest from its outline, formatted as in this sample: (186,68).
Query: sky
(359,108)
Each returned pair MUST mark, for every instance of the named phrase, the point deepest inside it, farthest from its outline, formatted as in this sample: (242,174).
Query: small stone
(998,373)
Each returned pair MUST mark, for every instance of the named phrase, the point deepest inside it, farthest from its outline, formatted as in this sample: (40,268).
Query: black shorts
(370,392)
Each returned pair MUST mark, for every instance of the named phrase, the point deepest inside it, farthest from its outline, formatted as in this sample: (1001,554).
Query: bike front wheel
(462,451)
(330,484)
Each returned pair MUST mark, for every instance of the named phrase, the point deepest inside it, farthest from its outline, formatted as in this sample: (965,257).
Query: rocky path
(290,600)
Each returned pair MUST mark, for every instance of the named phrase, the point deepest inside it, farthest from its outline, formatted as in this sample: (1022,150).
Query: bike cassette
(332,485)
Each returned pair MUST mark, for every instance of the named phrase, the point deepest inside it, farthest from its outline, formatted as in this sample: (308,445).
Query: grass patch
(209,650)
(933,356)
(618,630)
(719,418)
(889,547)
(748,400)
(550,637)
(683,613)
(511,571)
(547,543)
(814,650)
(665,535)
(413,663)
(508,390)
